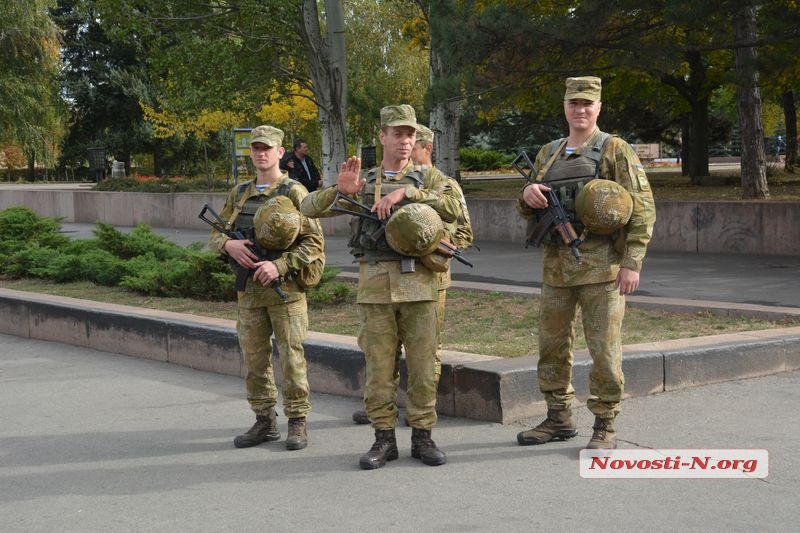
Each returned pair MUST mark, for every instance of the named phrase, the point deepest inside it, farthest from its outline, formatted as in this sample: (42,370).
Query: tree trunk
(699,97)
(445,117)
(328,69)
(790,119)
(31,173)
(748,102)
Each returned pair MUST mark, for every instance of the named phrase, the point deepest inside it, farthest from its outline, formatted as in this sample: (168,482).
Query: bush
(140,261)
(21,227)
(479,159)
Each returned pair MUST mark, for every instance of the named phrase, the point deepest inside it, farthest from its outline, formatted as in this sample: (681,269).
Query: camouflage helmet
(276,223)
(414,230)
(604,206)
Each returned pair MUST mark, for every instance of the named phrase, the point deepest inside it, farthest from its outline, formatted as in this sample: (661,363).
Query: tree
(100,78)
(386,64)
(748,99)
(31,116)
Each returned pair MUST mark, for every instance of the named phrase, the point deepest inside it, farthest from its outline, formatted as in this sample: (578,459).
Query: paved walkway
(744,280)
(98,442)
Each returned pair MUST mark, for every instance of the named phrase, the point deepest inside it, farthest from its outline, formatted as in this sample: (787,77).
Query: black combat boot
(361,417)
(423,448)
(265,429)
(557,426)
(604,436)
(297,439)
(384,449)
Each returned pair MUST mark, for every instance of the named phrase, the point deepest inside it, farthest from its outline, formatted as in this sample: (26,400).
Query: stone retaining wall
(472,386)
(753,227)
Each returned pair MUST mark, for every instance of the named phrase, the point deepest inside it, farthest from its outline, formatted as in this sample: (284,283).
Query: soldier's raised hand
(349,181)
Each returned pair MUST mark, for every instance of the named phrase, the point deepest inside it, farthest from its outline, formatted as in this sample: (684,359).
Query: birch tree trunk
(327,66)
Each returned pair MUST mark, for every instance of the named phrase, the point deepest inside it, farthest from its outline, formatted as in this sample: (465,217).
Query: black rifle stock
(242,273)
(555,216)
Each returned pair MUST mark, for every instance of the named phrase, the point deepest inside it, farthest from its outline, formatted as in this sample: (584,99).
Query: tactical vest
(363,241)
(247,212)
(568,176)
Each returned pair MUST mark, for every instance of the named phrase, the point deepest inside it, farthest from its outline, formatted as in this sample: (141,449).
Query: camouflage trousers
(602,310)
(383,328)
(440,328)
(255,327)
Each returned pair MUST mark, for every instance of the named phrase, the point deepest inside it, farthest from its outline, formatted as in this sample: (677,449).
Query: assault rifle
(242,273)
(407,263)
(555,216)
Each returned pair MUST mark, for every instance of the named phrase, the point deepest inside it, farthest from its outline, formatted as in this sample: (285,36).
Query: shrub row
(140,261)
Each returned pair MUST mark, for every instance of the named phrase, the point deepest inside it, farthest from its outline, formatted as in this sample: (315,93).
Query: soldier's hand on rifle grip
(533,196)
(266,273)
(240,252)
(383,207)
(349,180)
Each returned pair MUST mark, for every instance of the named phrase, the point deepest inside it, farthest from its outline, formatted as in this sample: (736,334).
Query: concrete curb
(472,386)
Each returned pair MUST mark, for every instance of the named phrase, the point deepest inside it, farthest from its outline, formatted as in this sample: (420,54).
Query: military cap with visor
(583,88)
(399,115)
(267,135)
(424,134)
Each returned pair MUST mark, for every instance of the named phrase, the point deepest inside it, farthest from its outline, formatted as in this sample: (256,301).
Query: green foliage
(140,261)
(479,159)
(140,241)
(21,227)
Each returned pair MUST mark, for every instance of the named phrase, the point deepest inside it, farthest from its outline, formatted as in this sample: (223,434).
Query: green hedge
(140,261)
(479,159)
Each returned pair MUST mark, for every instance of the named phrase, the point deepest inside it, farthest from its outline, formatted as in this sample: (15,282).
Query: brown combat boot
(297,439)
(604,436)
(361,417)
(265,429)
(424,449)
(383,449)
(557,426)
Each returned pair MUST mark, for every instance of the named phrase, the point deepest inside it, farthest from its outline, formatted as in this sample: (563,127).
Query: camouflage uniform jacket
(382,282)
(459,231)
(601,257)
(309,245)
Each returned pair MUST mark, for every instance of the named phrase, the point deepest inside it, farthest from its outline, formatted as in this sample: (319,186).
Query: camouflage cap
(267,135)
(424,134)
(583,88)
(399,115)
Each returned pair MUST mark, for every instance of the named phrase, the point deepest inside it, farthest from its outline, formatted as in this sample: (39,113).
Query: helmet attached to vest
(276,223)
(414,230)
(604,206)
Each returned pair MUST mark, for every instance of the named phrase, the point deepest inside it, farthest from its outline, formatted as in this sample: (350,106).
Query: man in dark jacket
(301,167)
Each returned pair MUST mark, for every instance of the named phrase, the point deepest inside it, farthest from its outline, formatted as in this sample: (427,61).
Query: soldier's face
(398,141)
(420,154)
(582,114)
(265,157)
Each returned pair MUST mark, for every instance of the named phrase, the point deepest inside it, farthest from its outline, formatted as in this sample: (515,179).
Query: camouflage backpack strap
(239,204)
(596,151)
(555,150)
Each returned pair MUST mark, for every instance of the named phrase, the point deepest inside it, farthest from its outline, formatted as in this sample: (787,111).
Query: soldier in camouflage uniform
(459,234)
(262,313)
(395,303)
(609,269)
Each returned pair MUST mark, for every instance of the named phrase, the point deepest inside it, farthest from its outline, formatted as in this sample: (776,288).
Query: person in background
(301,167)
